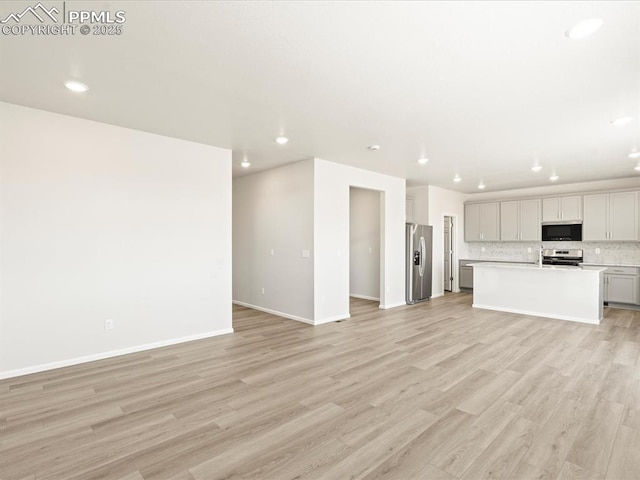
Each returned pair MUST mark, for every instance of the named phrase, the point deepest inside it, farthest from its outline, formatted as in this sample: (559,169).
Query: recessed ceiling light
(457,178)
(245,164)
(282,140)
(584,29)
(536,168)
(423,160)
(76,86)
(481,186)
(374,147)
(619,122)
(634,155)
(554,177)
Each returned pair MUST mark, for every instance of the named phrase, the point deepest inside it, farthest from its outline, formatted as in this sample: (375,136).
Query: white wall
(273,210)
(441,203)
(101,222)
(331,237)
(364,244)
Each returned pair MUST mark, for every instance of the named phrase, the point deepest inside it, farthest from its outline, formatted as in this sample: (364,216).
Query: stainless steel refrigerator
(419,246)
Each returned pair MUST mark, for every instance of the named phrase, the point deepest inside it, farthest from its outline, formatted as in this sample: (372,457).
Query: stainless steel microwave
(562,231)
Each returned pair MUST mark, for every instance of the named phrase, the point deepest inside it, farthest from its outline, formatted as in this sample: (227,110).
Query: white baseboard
(392,305)
(293,317)
(275,312)
(364,297)
(112,353)
(438,295)
(337,318)
(539,314)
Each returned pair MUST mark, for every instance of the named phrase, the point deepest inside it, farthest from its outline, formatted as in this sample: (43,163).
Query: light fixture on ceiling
(423,160)
(637,168)
(75,86)
(620,122)
(282,140)
(554,177)
(457,178)
(374,147)
(584,28)
(481,186)
(245,164)
(536,168)
(634,155)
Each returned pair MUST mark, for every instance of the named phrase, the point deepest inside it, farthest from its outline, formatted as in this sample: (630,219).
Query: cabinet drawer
(623,270)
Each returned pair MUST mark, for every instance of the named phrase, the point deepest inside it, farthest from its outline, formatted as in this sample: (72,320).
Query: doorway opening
(449,269)
(365,250)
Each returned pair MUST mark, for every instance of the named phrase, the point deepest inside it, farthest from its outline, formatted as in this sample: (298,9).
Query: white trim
(275,312)
(364,297)
(539,314)
(437,295)
(392,305)
(113,353)
(337,318)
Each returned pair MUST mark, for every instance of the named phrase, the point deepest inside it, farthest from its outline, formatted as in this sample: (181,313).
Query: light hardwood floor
(434,391)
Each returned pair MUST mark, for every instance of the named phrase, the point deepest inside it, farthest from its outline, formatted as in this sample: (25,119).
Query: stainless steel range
(562,257)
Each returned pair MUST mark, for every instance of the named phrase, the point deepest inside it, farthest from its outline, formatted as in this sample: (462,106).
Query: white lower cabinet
(466,277)
(621,285)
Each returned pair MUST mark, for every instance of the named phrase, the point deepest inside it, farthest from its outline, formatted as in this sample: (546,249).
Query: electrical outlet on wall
(597,251)
(262,291)
(528,249)
(482,249)
(108,324)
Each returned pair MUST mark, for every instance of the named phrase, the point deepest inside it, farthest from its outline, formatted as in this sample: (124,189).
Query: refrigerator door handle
(423,248)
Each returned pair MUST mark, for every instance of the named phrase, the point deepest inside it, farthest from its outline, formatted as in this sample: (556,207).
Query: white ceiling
(481,88)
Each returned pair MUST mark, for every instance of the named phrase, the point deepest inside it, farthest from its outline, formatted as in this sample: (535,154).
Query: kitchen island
(565,293)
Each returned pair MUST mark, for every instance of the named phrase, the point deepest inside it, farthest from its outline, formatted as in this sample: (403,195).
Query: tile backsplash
(610,252)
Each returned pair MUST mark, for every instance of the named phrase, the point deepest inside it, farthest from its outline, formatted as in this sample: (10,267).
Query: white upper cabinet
(530,219)
(611,217)
(562,208)
(510,221)
(411,208)
(596,217)
(520,220)
(481,222)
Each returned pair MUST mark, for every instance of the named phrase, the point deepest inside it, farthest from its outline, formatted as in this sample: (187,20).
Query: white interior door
(448,253)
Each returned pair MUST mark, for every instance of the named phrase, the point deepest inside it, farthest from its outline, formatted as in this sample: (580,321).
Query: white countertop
(610,265)
(585,264)
(586,268)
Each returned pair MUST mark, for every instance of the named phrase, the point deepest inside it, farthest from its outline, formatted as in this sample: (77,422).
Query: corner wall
(272,225)
(331,237)
(100,222)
